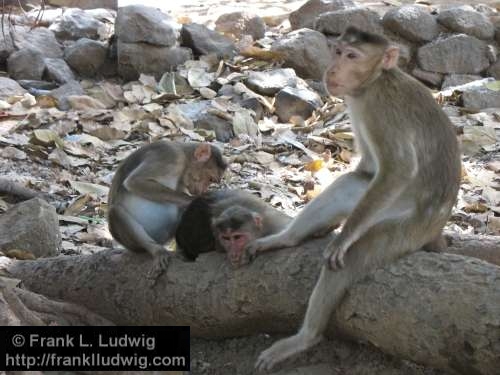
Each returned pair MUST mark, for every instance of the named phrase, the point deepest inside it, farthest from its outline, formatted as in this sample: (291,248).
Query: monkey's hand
(274,241)
(334,254)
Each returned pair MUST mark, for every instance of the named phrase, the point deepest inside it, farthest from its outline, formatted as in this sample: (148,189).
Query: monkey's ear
(203,152)
(390,59)
(257,220)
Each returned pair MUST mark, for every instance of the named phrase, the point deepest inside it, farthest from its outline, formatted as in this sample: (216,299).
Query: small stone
(223,128)
(271,81)
(207,93)
(296,101)
(61,94)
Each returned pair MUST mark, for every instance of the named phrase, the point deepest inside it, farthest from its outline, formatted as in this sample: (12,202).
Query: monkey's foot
(284,349)
(334,255)
(160,264)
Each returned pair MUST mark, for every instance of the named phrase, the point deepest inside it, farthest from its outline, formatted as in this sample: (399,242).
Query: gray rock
(86,56)
(241,23)
(461,54)
(74,24)
(204,41)
(194,110)
(142,24)
(9,87)
(336,22)
(58,70)
(136,58)
(481,97)
(304,16)
(26,64)
(494,70)
(431,78)
(61,94)
(452,80)
(223,129)
(31,226)
(254,105)
(306,51)
(412,22)
(39,39)
(296,101)
(271,81)
(467,20)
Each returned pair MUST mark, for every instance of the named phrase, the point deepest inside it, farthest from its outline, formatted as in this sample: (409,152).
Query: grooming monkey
(150,189)
(226,221)
(398,198)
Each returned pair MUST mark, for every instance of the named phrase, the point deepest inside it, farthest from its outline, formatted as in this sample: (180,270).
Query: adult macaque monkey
(226,221)
(400,195)
(150,189)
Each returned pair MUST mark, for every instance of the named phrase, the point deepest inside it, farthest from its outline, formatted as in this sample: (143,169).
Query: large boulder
(204,41)
(75,23)
(26,64)
(137,58)
(31,226)
(466,20)
(462,54)
(39,39)
(304,16)
(334,23)
(142,24)
(412,22)
(86,56)
(306,51)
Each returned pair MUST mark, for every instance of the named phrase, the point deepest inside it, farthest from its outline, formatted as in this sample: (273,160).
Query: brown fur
(400,195)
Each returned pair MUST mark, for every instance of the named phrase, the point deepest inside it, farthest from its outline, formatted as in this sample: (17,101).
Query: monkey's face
(351,68)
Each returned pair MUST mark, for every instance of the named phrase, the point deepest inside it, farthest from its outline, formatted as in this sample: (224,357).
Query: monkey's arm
(152,182)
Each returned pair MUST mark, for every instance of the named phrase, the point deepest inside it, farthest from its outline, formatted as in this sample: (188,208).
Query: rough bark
(442,310)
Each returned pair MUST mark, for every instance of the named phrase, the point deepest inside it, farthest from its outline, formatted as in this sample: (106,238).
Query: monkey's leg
(381,245)
(134,237)
(329,208)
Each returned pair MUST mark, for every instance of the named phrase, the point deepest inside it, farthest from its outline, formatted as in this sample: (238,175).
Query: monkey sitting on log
(399,197)
(226,221)
(150,189)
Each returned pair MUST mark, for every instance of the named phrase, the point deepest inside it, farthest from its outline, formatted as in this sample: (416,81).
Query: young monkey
(398,198)
(150,189)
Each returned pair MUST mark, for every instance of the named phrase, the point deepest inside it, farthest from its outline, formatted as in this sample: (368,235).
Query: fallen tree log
(442,310)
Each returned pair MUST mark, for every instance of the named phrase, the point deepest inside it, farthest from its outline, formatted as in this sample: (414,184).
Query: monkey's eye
(351,55)
(237,237)
(338,51)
